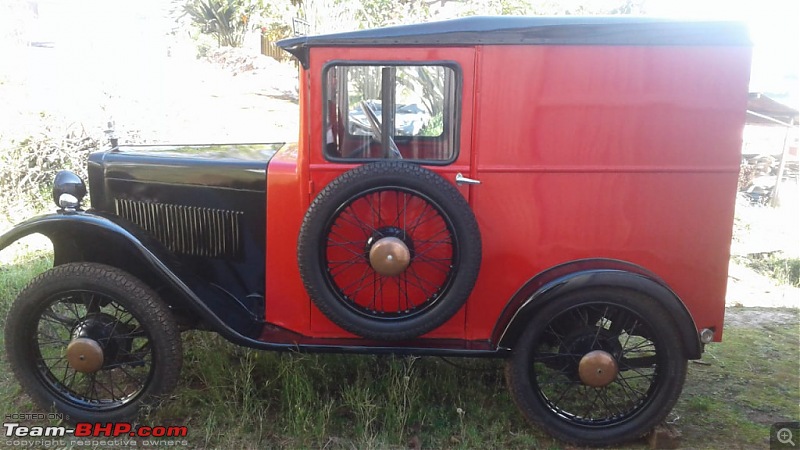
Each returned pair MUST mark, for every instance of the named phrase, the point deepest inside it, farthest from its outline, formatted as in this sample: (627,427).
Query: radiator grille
(187,230)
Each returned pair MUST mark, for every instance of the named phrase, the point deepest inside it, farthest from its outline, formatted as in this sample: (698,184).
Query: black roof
(536,30)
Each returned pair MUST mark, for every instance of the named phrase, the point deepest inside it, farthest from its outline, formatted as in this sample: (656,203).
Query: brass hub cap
(85,355)
(389,256)
(598,368)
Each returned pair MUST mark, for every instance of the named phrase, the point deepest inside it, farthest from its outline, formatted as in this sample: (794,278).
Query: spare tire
(389,250)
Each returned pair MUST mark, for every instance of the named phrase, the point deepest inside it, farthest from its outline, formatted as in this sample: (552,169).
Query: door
(416,108)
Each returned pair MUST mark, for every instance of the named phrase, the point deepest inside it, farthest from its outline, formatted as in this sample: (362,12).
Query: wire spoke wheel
(92,341)
(598,368)
(124,363)
(627,358)
(389,250)
(389,253)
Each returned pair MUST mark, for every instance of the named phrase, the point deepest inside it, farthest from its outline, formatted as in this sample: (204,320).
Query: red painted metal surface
(624,152)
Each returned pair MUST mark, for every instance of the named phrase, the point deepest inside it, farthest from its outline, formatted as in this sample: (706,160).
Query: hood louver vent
(187,230)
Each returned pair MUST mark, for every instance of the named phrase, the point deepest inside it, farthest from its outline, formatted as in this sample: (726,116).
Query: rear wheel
(599,367)
(93,342)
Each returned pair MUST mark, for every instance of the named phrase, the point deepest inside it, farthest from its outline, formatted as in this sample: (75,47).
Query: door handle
(461,179)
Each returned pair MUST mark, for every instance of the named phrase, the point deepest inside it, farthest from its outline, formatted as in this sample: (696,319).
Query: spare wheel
(389,250)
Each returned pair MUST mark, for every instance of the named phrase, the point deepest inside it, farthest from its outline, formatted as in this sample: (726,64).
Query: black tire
(543,378)
(139,338)
(444,243)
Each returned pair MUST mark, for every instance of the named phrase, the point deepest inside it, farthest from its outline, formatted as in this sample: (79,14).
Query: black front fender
(68,231)
(94,237)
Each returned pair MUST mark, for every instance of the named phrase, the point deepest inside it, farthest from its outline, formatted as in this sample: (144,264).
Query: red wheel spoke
(359,224)
(409,304)
(355,259)
(413,272)
(400,212)
(410,230)
(431,266)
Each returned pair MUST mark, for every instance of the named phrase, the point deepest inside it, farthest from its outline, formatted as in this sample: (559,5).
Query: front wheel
(599,367)
(93,342)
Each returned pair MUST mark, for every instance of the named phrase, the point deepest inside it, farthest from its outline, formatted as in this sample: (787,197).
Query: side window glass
(400,112)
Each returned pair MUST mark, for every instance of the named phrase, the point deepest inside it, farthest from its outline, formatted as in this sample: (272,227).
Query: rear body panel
(619,142)
(637,162)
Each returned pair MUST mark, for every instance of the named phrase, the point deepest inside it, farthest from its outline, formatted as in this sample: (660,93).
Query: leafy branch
(227,20)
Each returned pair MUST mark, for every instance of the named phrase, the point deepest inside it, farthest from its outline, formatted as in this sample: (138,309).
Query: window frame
(457,102)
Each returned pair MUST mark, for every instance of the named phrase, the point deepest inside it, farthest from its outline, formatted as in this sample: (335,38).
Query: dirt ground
(762,230)
(760,317)
(240,98)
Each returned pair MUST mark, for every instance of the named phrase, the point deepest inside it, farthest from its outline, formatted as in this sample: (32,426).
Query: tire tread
(363,177)
(150,309)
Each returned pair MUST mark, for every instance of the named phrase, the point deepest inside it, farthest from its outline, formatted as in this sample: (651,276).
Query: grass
(750,383)
(783,269)
(232,397)
(338,401)
(13,278)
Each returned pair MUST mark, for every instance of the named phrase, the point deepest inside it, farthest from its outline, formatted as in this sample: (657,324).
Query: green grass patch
(13,278)
(743,386)
(235,398)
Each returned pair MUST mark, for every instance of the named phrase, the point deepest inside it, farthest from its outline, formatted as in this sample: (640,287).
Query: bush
(746,174)
(776,266)
(30,163)
(227,20)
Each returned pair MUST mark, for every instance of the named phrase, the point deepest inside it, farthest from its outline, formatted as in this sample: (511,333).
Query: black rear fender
(585,275)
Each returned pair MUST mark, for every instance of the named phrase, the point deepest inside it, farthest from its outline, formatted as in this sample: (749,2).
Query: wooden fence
(273,51)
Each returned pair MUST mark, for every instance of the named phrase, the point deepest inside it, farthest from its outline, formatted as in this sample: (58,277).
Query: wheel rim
(576,351)
(414,227)
(84,320)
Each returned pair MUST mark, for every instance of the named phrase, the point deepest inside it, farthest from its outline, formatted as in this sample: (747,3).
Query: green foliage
(227,20)
(434,127)
(780,268)
(379,13)
(222,18)
(13,278)
(276,22)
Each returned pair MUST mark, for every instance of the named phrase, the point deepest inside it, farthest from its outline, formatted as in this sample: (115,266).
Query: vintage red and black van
(558,192)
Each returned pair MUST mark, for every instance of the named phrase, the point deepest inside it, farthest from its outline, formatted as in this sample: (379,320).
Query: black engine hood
(229,166)
(206,204)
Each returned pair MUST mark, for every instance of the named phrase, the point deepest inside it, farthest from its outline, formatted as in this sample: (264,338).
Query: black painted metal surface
(507,30)
(205,203)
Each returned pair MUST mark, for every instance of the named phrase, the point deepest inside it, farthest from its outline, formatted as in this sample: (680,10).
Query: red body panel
(624,152)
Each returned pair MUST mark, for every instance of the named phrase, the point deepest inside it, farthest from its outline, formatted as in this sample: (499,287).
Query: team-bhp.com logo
(85,429)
